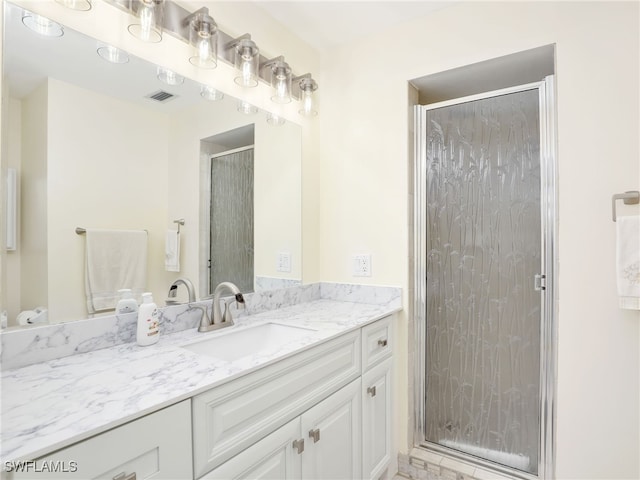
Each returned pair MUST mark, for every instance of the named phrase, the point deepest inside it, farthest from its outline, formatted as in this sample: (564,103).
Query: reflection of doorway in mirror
(231,219)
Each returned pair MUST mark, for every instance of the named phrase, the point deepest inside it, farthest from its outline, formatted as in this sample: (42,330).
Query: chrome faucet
(218,318)
(173,289)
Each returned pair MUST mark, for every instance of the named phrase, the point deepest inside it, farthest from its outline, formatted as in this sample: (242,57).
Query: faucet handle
(226,316)
(204,318)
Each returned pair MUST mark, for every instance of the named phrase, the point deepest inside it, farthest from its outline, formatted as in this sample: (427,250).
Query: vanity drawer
(157,446)
(377,342)
(230,418)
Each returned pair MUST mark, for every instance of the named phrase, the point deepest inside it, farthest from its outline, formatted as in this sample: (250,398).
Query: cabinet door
(272,458)
(157,446)
(331,431)
(376,420)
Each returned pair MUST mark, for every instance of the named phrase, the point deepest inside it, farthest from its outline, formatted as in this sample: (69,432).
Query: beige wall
(13,160)
(277,195)
(363,184)
(104,171)
(33,201)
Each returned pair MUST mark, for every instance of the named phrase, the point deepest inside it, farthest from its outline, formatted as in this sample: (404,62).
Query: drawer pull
(315,434)
(299,445)
(382,343)
(372,391)
(124,476)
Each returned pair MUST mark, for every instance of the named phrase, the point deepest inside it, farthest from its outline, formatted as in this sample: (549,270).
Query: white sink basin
(250,341)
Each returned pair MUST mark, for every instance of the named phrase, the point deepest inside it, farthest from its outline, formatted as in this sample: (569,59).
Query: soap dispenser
(148,331)
(126,304)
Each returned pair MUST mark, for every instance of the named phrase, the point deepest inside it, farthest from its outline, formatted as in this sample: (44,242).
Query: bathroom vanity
(301,392)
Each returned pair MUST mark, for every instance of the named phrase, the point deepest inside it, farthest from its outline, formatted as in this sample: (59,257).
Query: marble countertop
(53,404)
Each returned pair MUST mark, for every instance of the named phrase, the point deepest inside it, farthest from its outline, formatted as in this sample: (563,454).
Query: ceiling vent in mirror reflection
(161,96)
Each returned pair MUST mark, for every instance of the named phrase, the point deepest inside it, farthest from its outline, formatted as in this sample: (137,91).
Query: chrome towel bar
(632,197)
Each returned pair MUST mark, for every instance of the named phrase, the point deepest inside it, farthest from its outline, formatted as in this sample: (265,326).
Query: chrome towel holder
(180,221)
(631,197)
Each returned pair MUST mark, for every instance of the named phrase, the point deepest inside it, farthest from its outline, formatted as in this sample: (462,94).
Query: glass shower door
(232,250)
(483,254)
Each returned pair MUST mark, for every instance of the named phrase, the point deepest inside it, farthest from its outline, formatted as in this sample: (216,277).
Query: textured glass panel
(483,251)
(232,220)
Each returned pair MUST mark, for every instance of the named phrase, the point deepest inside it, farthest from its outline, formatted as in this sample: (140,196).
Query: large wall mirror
(93,150)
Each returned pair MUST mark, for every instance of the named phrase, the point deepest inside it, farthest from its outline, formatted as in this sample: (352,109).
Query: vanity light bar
(175,22)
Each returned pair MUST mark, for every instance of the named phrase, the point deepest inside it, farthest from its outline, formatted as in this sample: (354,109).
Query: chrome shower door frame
(548,330)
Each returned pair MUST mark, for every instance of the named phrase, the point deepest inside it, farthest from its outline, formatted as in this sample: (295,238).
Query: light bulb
(203,50)
(203,36)
(146,23)
(307,87)
(246,63)
(247,72)
(149,26)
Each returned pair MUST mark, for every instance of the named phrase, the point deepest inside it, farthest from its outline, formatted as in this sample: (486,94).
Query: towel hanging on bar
(628,261)
(115,259)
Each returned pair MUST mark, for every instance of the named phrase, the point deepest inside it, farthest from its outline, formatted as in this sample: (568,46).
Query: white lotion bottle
(126,304)
(148,331)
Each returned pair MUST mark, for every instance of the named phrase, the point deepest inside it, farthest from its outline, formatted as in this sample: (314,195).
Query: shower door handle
(539,282)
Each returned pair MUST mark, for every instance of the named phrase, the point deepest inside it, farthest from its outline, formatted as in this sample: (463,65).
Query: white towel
(628,261)
(115,259)
(172,251)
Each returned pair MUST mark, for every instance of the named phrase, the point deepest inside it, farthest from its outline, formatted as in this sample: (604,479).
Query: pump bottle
(148,331)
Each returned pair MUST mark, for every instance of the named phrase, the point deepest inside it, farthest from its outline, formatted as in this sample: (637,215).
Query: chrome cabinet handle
(124,476)
(372,391)
(315,434)
(382,343)
(299,445)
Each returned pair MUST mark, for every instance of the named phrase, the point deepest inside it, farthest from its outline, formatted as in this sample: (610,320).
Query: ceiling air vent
(161,96)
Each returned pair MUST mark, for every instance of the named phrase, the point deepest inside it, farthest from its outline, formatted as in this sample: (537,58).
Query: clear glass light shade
(81,5)
(246,108)
(281,82)
(308,107)
(203,36)
(246,62)
(169,76)
(275,119)
(42,25)
(210,93)
(113,54)
(149,25)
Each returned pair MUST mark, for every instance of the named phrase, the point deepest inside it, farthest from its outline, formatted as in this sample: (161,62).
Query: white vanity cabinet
(376,420)
(323,414)
(156,446)
(322,444)
(229,419)
(377,350)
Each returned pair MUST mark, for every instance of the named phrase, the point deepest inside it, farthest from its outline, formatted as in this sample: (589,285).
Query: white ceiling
(329,23)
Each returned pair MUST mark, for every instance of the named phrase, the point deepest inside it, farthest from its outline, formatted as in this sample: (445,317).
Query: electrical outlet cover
(283,262)
(362,265)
